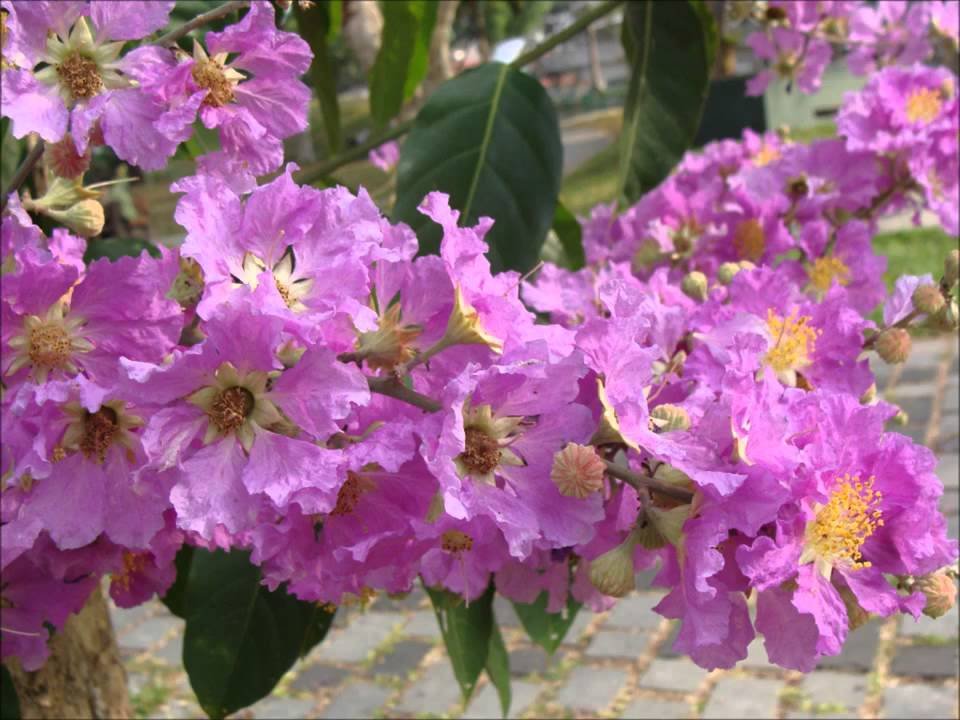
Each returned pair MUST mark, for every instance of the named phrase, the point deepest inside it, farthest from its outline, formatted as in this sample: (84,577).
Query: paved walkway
(389,661)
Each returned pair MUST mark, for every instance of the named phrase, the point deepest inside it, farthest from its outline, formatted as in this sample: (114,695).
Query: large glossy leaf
(569,233)
(668,46)
(317,25)
(466,631)
(404,54)
(240,637)
(176,596)
(490,139)
(9,703)
(545,628)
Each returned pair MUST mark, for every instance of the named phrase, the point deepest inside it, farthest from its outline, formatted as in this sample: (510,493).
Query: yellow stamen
(827,269)
(923,105)
(133,563)
(350,493)
(766,155)
(851,515)
(794,344)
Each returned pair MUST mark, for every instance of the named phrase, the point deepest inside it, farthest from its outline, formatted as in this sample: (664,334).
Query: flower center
(209,75)
(482,452)
(350,493)
(49,346)
(231,408)
(827,269)
(390,344)
(456,542)
(795,341)
(842,525)
(99,430)
(133,564)
(766,155)
(749,241)
(923,105)
(80,75)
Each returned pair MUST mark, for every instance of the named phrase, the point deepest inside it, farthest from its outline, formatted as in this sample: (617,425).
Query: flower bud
(951,267)
(928,299)
(893,345)
(870,395)
(949,316)
(85,218)
(612,572)
(669,474)
(666,418)
(901,418)
(727,271)
(577,471)
(694,285)
(941,592)
(436,507)
(747,265)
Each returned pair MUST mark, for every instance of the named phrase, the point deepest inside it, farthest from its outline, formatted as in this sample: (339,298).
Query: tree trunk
(83,677)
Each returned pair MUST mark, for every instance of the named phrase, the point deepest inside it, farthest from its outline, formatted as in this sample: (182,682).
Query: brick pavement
(389,660)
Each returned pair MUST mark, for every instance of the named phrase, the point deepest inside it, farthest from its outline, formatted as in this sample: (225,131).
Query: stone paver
(402,658)
(358,700)
(837,689)
(282,707)
(942,627)
(486,703)
(677,674)
(422,623)
(644,707)
(859,651)
(742,697)
(149,633)
(932,661)
(433,692)
(920,702)
(318,676)
(948,470)
(365,633)
(617,644)
(635,612)
(591,689)
(757,657)
(531,659)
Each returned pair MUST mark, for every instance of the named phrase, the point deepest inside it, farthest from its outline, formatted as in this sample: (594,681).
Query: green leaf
(545,628)
(114,248)
(567,228)
(667,46)
(466,631)
(9,703)
(176,597)
(10,152)
(490,139)
(401,63)
(316,24)
(335,19)
(498,668)
(240,637)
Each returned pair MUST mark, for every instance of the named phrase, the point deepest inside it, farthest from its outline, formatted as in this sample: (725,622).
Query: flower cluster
(796,39)
(294,380)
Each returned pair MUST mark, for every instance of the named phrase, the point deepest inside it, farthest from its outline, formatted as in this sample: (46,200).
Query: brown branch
(639,482)
(33,157)
(218,12)
(391,387)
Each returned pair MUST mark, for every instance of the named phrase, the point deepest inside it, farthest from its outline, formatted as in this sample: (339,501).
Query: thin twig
(902,323)
(218,12)
(22,172)
(639,481)
(391,387)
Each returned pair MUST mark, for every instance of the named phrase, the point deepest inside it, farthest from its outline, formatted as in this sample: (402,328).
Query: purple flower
(246,84)
(386,156)
(83,79)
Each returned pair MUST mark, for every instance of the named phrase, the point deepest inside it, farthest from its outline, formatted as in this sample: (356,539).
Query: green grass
(915,251)
(593,182)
